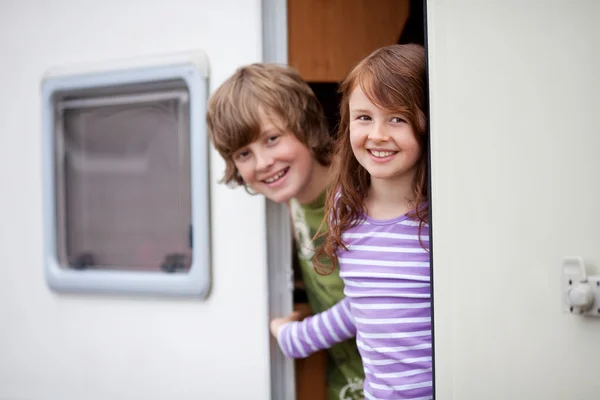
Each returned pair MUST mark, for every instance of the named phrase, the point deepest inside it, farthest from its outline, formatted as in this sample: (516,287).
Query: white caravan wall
(71,347)
(516,187)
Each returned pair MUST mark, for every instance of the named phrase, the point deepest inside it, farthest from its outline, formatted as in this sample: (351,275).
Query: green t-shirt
(345,374)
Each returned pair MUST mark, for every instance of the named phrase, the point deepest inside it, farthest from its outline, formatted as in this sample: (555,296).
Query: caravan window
(123,182)
(126,180)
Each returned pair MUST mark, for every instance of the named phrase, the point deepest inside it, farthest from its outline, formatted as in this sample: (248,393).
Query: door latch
(580,292)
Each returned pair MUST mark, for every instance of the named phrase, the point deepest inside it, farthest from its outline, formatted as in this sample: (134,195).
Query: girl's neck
(390,198)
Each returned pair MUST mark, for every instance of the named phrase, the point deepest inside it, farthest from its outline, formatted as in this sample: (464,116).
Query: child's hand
(277,323)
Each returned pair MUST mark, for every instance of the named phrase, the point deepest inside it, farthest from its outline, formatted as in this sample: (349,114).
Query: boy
(268,125)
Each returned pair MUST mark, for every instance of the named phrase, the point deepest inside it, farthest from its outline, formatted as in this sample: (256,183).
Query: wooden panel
(328,37)
(311,379)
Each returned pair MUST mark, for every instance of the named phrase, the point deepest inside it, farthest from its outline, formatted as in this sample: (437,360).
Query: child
(268,125)
(378,232)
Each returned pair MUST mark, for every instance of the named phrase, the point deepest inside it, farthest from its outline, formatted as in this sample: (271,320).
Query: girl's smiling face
(382,141)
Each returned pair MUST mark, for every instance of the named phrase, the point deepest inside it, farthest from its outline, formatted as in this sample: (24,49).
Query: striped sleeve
(321,331)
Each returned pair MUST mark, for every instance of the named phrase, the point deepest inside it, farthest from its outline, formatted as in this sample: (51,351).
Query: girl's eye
(398,120)
(363,118)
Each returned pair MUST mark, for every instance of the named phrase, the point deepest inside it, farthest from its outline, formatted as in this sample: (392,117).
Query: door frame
(279,231)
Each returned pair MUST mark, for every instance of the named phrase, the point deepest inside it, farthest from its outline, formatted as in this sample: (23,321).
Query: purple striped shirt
(387,307)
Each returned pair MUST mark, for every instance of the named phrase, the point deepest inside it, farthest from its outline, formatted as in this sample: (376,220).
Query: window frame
(192,69)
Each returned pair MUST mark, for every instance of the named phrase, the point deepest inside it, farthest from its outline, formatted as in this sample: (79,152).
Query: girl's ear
(421,121)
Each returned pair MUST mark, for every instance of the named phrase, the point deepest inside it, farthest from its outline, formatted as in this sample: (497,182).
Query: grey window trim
(124,99)
(190,68)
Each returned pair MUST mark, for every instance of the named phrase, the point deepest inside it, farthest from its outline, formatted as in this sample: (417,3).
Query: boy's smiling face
(277,164)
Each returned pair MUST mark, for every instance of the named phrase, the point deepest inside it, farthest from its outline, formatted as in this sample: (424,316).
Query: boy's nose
(263,161)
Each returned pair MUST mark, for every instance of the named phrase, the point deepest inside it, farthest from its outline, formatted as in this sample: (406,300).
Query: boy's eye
(273,139)
(242,155)
(398,120)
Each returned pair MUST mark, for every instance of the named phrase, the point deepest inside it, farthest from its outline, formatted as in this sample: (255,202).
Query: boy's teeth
(381,154)
(273,179)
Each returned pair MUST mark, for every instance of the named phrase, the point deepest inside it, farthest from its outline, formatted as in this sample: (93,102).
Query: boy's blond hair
(273,90)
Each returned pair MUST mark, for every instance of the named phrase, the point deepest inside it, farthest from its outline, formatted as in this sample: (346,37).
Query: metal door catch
(580,292)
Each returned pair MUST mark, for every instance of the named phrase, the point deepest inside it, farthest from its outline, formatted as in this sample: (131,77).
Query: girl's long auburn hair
(393,78)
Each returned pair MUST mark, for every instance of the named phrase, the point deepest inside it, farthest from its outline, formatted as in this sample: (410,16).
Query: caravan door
(514,93)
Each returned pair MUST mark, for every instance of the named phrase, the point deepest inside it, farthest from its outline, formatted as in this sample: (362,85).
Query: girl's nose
(378,134)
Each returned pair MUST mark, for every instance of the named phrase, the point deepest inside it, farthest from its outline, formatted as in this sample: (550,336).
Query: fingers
(294,316)
(277,323)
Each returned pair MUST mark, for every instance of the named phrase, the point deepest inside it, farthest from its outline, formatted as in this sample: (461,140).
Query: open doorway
(325,39)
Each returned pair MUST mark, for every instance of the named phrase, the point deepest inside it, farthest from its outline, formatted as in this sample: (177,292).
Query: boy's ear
(249,189)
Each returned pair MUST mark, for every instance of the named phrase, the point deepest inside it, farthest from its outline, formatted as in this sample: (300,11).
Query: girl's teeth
(381,154)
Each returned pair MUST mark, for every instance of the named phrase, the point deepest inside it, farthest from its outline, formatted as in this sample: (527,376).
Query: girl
(378,232)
